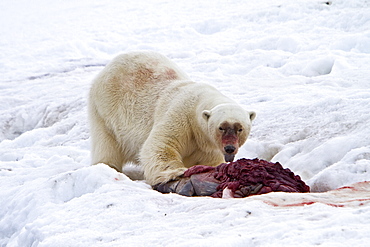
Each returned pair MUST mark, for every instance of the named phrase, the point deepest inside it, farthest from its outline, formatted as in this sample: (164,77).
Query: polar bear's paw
(165,176)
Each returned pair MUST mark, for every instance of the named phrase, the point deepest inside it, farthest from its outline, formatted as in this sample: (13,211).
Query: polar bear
(145,110)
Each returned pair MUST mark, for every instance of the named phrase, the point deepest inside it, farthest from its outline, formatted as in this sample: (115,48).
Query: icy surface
(302,65)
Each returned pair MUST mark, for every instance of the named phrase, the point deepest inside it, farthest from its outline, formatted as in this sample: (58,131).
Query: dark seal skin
(202,184)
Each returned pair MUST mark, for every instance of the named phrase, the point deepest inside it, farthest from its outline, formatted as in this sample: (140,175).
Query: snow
(302,65)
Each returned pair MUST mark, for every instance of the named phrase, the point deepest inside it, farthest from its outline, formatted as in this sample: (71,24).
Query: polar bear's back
(125,93)
(135,76)
(143,69)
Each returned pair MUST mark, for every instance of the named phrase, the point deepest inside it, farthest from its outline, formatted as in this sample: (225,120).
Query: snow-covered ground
(302,65)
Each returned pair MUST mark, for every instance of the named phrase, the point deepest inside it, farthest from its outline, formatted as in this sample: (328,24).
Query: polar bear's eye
(220,128)
(240,130)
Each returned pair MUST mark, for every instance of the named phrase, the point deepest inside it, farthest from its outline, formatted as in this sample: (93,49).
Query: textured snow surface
(302,65)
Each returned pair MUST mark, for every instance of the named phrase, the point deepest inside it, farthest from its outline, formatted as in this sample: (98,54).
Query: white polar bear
(144,109)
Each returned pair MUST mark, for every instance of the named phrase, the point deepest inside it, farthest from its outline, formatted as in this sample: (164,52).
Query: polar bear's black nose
(229,149)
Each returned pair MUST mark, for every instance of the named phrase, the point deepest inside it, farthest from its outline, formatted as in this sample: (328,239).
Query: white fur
(144,109)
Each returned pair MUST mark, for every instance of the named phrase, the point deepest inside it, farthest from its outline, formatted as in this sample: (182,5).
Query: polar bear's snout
(229,149)
(230,139)
(230,152)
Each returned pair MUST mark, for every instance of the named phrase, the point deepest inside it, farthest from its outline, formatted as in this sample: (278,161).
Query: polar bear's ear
(206,114)
(252,115)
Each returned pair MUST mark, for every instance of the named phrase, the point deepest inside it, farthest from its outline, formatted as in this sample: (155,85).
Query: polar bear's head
(228,126)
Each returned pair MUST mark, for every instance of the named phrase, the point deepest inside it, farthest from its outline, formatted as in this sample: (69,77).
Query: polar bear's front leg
(161,162)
